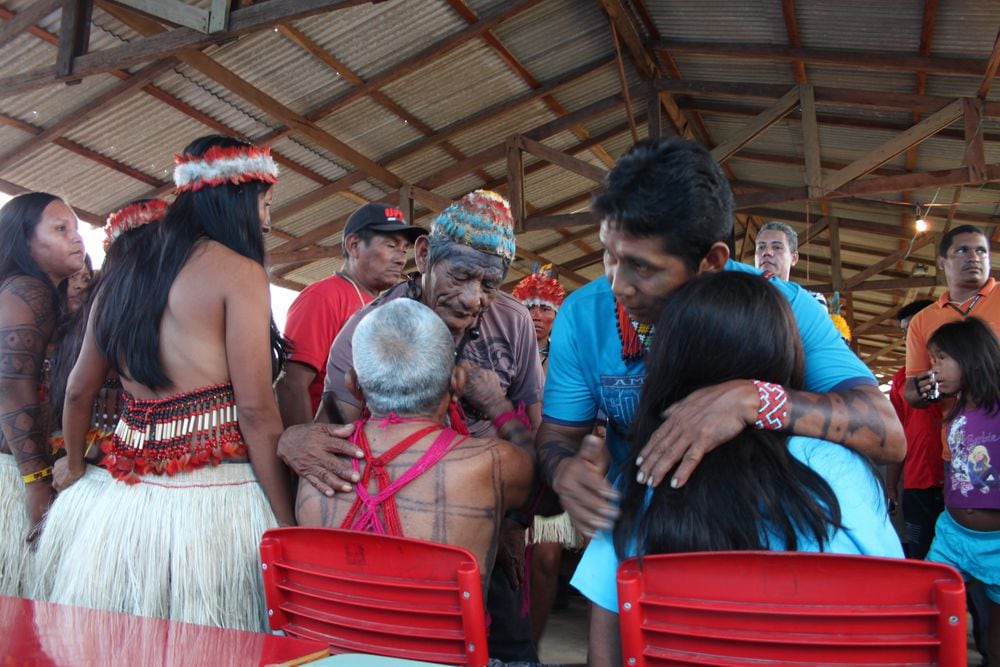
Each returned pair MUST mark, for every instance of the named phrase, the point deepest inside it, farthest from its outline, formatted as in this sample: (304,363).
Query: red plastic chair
(753,608)
(368,593)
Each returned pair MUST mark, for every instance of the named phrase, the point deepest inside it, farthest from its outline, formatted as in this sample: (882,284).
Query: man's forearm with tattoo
(860,418)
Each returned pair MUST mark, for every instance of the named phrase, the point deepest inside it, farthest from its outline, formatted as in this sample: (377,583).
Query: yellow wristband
(37,475)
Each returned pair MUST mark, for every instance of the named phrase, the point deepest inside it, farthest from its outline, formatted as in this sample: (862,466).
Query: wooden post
(74,35)
(515,181)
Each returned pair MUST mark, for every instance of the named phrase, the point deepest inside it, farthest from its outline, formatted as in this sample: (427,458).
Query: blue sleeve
(830,363)
(866,529)
(569,399)
(596,577)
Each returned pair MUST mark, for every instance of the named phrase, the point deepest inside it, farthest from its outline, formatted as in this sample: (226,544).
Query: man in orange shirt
(964,256)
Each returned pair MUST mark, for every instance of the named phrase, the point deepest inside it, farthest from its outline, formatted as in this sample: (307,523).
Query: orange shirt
(926,322)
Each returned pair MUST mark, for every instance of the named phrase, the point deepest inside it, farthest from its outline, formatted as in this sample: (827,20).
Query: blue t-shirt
(867,530)
(587,373)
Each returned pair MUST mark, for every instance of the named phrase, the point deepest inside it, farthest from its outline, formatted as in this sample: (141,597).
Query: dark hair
(673,190)
(912,308)
(974,347)
(127,324)
(718,327)
(140,239)
(18,220)
(949,237)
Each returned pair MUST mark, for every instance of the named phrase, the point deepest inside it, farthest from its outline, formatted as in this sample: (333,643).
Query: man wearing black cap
(376,239)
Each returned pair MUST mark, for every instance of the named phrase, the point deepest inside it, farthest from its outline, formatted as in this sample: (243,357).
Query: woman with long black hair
(763,489)
(40,248)
(187,325)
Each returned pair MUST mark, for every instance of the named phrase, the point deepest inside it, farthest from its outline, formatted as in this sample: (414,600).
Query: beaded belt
(174,434)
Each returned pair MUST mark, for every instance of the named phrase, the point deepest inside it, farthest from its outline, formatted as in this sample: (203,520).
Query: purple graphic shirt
(974,482)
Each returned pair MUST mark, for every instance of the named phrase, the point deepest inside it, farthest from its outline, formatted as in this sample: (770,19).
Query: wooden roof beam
(824,95)
(878,285)
(172,42)
(893,147)
(991,69)
(225,77)
(85,112)
(25,19)
(880,61)
(757,126)
(645,61)
(868,186)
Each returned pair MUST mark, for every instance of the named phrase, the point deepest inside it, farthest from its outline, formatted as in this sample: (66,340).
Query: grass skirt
(15,555)
(185,548)
(556,529)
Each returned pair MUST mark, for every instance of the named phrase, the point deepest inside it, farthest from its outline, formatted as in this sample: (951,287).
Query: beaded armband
(772,415)
(38,475)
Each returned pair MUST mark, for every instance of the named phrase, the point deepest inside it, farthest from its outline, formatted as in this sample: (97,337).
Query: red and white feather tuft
(218,165)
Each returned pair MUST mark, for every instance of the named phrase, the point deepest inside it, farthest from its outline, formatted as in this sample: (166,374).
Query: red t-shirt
(315,318)
(923,467)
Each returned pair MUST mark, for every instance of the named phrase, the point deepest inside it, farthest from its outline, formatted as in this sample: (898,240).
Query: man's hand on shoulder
(694,426)
(320,454)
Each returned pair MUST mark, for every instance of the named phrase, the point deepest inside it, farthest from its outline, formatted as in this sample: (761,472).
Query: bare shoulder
(226,265)
(510,455)
(27,300)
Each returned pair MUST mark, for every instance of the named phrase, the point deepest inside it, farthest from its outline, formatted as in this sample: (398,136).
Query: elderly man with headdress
(463,263)
(187,325)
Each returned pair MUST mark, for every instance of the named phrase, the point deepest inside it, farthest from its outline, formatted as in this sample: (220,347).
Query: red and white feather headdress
(131,217)
(540,289)
(218,165)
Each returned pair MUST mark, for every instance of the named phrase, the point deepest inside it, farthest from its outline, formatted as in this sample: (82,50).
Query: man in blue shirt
(666,216)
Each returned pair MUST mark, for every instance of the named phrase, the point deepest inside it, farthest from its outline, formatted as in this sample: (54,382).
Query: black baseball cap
(381,218)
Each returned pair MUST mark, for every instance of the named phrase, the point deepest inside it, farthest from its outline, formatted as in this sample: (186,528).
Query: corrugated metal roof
(372,39)
(370,128)
(719,20)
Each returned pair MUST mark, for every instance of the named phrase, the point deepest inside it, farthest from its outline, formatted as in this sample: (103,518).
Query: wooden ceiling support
(893,147)
(74,36)
(27,18)
(757,126)
(172,42)
(645,61)
(824,95)
(877,285)
(929,179)
(886,62)
(85,112)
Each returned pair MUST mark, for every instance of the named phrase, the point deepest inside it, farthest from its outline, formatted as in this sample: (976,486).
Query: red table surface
(42,633)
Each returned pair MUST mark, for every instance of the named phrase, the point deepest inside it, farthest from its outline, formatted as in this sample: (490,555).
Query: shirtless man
(459,487)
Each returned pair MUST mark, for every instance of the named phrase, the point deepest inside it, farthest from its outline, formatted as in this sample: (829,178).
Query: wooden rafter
(893,147)
(824,95)
(930,179)
(888,62)
(86,111)
(991,69)
(26,19)
(172,42)
(757,126)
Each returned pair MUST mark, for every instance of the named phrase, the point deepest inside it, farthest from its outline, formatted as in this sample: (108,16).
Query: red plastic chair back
(753,607)
(368,593)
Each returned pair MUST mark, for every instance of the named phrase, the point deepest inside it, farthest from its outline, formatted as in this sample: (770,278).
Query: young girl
(966,358)
(762,489)
(196,478)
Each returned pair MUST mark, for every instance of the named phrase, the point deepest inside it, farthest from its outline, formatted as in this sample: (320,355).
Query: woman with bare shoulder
(187,326)
(39,248)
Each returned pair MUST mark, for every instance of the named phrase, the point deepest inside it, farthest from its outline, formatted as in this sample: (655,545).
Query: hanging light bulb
(920,223)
